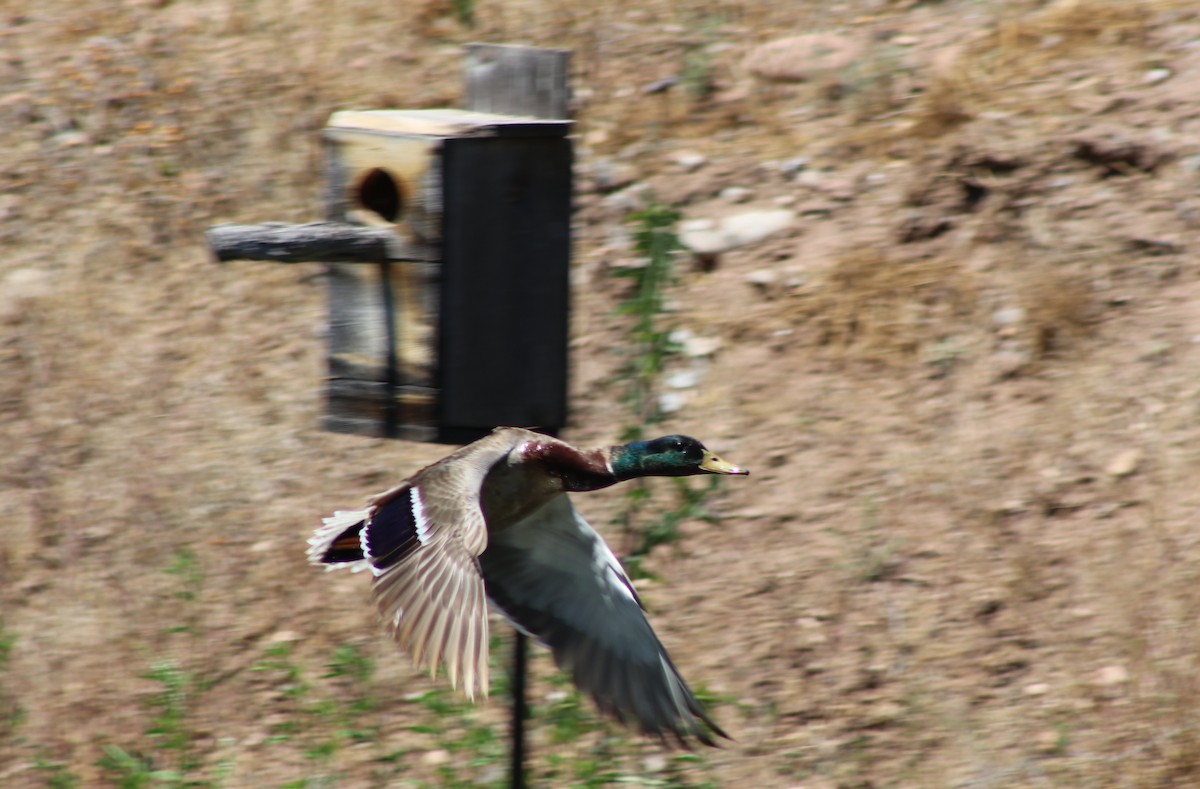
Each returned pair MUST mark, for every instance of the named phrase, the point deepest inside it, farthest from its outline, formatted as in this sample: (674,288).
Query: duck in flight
(491,523)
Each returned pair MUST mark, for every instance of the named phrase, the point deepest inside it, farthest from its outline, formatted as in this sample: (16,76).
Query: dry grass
(872,306)
(993,69)
(1060,307)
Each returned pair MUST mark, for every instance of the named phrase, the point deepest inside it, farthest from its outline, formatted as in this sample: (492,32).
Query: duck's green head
(669,456)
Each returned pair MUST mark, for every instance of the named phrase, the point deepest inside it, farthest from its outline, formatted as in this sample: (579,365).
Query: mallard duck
(492,522)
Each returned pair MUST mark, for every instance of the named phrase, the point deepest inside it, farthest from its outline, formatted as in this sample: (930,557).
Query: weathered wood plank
(375,408)
(381,322)
(514,80)
(315,242)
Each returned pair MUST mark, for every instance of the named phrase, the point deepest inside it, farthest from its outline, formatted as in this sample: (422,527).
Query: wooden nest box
(472,331)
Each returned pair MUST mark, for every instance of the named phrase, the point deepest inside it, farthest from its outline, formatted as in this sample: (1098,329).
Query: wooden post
(513,80)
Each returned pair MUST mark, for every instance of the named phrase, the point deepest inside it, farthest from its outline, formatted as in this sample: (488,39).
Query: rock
(736,194)
(689,161)
(683,379)
(804,58)
(735,231)
(680,336)
(660,85)
(773,281)
(754,226)
(1009,363)
(1157,75)
(20,288)
(671,402)
(1125,463)
(1037,689)
(796,164)
(1007,317)
(632,198)
(435,757)
(697,347)
(605,175)
(762,278)
(655,763)
(705,242)
(596,137)
(71,139)
(810,178)
(28,283)
(1111,676)
(696,225)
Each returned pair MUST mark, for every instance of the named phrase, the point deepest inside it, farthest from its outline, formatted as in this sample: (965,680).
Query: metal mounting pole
(520,661)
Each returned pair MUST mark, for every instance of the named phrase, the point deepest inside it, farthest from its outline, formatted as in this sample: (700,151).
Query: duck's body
(491,522)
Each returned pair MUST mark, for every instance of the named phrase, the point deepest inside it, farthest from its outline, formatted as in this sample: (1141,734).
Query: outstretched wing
(421,540)
(554,577)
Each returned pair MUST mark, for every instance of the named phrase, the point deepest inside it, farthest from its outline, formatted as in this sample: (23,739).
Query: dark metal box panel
(505,283)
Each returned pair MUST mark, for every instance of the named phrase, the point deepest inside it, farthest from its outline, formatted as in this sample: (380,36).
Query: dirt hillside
(964,367)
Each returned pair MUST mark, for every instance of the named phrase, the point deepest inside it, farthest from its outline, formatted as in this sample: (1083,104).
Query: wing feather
(552,575)
(421,540)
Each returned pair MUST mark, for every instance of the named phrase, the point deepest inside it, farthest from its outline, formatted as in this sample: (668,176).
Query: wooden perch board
(316,242)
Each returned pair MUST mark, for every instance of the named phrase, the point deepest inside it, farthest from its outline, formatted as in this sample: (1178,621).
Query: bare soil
(967,382)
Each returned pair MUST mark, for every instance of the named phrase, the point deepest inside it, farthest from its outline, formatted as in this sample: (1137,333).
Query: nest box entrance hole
(380,193)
